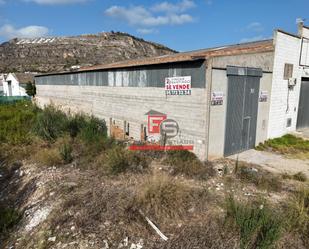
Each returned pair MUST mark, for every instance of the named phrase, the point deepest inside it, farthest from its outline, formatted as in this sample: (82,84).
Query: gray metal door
(303,108)
(10,88)
(242,108)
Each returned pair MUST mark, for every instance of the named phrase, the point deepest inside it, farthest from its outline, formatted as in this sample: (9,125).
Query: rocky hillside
(60,53)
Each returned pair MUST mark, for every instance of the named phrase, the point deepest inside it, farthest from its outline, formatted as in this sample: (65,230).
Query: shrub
(258,226)
(300,176)
(298,211)
(48,157)
(50,123)
(186,163)
(75,124)
(93,130)
(163,196)
(137,161)
(31,89)
(65,151)
(262,180)
(8,218)
(16,121)
(118,160)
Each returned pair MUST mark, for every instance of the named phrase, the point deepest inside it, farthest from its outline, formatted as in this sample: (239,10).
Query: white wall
(284,102)
(16,89)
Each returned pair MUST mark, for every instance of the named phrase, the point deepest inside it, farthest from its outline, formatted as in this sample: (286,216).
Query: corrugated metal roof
(243,48)
(24,78)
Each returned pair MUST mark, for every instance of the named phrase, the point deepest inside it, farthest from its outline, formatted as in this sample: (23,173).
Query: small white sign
(263,96)
(178,85)
(217,98)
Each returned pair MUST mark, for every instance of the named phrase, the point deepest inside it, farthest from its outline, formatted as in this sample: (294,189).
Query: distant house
(14,84)
(1,84)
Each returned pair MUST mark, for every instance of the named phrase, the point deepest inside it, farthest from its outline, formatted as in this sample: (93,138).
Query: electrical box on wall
(292,82)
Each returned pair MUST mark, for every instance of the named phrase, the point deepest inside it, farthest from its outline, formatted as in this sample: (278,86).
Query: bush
(262,180)
(65,151)
(48,157)
(92,130)
(8,218)
(300,176)
(258,226)
(186,163)
(16,121)
(118,160)
(51,123)
(163,196)
(31,89)
(298,212)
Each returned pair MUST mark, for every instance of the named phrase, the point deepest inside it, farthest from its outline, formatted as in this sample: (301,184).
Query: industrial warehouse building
(224,100)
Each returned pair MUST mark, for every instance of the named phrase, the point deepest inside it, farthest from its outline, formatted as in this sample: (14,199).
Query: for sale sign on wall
(178,85)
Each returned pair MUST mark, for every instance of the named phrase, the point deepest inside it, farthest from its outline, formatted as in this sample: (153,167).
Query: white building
(1,84)
(14,84)
(238,96)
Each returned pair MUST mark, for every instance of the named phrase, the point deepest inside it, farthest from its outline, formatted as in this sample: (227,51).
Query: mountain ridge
(53,54)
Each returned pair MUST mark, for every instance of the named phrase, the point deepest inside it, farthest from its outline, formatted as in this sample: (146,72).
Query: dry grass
(48,157)
(260,178)
(300,176)
(207,233)
(162,196)
(298,213)
(119,160)
(186,163)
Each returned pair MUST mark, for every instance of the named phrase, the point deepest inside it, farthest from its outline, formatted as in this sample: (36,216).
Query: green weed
(50,124)
(259,227)
(16,121)
(8,218)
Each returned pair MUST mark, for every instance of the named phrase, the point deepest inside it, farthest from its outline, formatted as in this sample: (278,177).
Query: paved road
(274,162)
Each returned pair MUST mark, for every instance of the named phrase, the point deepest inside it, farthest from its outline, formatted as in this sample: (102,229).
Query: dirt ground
(304,133)
(70,208)
(274,162)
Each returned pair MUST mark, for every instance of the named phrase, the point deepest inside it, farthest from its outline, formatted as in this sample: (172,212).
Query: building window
(288,71)
(289,122)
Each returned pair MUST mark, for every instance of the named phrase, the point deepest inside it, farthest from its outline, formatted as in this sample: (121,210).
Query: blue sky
(179,24)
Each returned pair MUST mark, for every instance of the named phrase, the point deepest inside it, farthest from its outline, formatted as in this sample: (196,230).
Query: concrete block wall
(284,102)
(130,104)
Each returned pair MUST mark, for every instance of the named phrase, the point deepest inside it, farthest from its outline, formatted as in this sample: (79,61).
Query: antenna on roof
(300,20)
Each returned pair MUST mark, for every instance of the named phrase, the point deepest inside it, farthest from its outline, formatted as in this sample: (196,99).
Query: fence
(12,99)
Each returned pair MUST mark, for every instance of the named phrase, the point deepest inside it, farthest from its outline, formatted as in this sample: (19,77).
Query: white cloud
(52,2)
(147,31)
(139,16)
(8,31)
(255,38)
(174,7)
(255,26)
(299,20)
